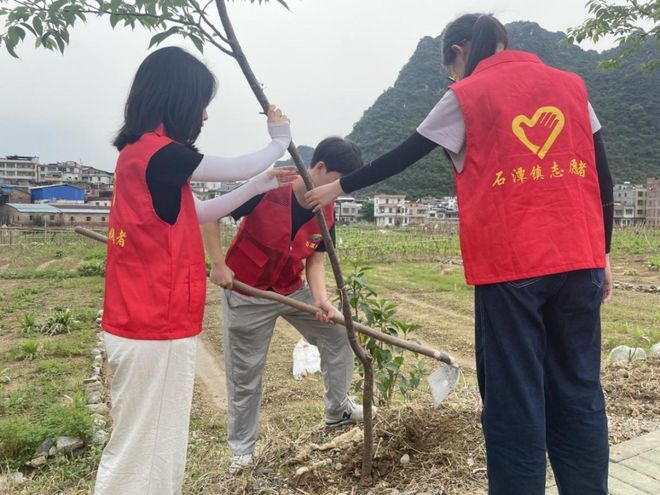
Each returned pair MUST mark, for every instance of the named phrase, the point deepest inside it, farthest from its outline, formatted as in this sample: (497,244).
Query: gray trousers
(248,327)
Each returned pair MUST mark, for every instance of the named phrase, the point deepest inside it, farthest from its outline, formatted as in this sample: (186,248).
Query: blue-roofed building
(57,192)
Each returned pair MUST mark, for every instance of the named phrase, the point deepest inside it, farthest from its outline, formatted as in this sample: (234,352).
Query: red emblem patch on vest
(314,241)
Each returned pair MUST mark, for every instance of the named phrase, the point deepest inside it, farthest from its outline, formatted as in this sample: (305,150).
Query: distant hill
(306,153)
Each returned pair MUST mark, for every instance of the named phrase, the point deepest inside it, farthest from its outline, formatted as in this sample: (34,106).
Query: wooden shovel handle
(308,308)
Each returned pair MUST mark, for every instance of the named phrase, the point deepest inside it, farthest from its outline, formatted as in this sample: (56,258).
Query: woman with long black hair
(156,274)
(535,202)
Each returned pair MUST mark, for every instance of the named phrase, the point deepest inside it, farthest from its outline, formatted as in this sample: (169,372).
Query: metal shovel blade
(442,381)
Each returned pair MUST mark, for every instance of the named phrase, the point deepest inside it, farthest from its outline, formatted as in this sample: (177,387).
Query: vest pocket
(253,252)
(136,297)
(196,288)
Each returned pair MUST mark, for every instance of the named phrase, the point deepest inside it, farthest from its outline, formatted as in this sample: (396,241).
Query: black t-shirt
(167,171)
(171,167)
(299,216)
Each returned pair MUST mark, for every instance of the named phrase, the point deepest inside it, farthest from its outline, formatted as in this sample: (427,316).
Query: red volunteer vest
(262,253)
(155,282)
(528,194)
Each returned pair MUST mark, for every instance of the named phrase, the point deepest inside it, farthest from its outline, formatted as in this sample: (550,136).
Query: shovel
(441,382)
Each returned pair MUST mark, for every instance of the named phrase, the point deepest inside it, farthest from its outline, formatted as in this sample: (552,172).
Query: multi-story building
(19,170)
(347,209)
(653,202)
(69,171)
(95,176)
(629,204)
(210,190)
(416,213)
(390,210)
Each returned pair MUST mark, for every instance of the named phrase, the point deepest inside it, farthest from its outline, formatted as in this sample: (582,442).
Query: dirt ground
(445,446)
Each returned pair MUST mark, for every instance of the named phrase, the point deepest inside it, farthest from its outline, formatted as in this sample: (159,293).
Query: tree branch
(330,248)
(202,14)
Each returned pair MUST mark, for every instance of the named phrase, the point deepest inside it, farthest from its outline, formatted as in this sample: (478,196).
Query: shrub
(18,440)
(92,268)
(59,322)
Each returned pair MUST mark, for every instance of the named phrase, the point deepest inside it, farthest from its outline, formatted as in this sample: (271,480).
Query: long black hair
(483,31)
(172,88)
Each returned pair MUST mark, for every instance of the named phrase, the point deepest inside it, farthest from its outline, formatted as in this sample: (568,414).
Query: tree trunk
(367,396)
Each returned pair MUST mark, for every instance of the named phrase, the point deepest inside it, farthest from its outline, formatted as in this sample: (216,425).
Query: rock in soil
(68,444)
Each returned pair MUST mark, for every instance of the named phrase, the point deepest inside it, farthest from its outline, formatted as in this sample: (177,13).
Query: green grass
(19,299)
(53,368)
(18,439)
(49,398)
(92,268)
(628,319)
(60,321)
(59,255)
(397,244)
(29,274)
(654,263)
(636,240)
(44,394)
(412,277)
(28,350)
(68,474)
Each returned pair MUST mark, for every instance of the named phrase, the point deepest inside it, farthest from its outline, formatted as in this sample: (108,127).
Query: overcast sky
(324,63)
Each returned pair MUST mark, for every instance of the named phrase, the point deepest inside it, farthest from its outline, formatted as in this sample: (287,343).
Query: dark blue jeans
(538,364)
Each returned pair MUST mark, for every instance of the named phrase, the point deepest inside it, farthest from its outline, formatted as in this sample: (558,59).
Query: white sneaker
(352,414)
(240,462)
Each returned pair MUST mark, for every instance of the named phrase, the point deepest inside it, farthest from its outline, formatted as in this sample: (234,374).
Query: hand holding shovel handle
(447,384)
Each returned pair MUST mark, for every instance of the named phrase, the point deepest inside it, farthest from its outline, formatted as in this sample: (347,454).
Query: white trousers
(152,387)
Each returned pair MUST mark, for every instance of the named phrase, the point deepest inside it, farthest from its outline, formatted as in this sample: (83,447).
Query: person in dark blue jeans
(538,365)
(536,209)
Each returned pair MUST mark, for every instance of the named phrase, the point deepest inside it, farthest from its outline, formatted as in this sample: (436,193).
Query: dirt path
(211,373)
(46,264)
(437,311)
(210,364)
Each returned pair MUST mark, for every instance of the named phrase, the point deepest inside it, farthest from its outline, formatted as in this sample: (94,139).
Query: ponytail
(487,33)
(484,32)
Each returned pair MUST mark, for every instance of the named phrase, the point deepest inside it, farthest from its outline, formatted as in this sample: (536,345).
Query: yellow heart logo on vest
(550,118)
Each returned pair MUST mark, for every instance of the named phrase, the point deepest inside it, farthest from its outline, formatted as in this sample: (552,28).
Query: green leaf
(28,27)
(160,37)
(114,19)
(38,26)
(55,6)
(21,32)
(14,34)
(60,42)
(10,49)
(199,44)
